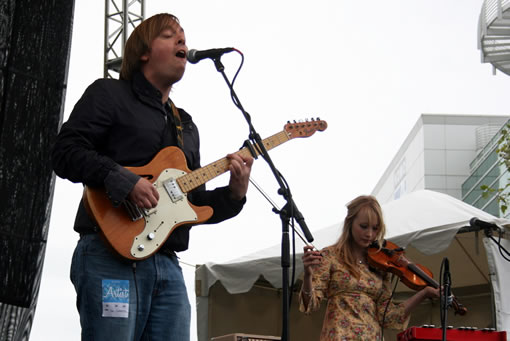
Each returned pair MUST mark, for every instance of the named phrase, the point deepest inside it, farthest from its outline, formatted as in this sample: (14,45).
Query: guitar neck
(200,176)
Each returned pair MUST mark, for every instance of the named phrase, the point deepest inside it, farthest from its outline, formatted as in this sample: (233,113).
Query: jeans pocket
(94,245)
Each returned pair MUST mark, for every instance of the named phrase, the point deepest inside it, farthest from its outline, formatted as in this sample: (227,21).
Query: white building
(437,154)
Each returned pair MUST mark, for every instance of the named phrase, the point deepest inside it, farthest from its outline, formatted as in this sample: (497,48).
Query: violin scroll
(458,307)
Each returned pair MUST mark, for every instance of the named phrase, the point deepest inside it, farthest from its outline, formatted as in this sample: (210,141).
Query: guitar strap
(178,125)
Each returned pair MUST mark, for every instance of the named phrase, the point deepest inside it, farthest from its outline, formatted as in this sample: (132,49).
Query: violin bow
(276,209)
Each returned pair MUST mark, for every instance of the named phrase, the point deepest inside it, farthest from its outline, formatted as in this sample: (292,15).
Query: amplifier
(452,334)
(245,337)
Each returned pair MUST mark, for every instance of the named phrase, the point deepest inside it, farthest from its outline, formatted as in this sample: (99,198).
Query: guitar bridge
(173,190)
(134,212)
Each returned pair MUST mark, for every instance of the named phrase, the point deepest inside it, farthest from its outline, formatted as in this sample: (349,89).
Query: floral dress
(356,308)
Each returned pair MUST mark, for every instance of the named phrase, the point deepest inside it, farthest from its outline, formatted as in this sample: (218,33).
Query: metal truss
(121,17)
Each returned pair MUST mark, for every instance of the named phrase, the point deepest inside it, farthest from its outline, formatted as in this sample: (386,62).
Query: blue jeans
(119,301)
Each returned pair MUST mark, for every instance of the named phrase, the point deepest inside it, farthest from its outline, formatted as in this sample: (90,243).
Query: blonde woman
(358,297)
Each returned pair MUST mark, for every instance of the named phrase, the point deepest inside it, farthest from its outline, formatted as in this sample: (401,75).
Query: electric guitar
(136,233)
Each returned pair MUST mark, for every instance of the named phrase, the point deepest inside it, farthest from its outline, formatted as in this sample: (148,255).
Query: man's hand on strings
(144,194)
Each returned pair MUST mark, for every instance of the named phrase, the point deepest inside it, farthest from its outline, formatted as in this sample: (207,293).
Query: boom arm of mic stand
(295,213)
(301,221)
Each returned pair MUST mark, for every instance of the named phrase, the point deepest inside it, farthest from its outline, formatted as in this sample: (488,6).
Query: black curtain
(35,40)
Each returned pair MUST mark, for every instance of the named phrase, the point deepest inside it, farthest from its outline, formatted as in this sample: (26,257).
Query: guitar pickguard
(173,209)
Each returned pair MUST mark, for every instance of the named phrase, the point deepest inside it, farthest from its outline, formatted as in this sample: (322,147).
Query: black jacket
(123,123)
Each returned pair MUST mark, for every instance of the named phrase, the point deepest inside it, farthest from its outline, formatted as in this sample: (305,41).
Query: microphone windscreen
(191,56)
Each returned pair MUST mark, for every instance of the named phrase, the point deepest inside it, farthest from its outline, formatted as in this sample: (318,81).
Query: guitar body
(140,238)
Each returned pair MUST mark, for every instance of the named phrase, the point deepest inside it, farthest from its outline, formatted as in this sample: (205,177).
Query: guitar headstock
(304,129)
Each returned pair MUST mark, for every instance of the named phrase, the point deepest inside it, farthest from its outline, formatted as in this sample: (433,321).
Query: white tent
(427,223)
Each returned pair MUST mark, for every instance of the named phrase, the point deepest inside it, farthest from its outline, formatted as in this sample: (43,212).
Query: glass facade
(489,171)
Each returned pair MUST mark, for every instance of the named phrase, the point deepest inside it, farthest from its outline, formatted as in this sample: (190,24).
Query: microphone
(475,222)
(194,56)
(301,221)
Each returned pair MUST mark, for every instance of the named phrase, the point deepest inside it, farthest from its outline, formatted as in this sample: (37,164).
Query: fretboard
(200,176)
(420,273)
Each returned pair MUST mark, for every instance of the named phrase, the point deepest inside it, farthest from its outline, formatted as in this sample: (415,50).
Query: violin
(391,258)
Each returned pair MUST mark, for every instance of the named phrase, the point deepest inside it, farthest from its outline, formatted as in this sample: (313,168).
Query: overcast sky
(368,68)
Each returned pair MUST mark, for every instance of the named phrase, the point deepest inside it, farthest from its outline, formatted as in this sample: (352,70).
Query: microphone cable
(501,249)
(232,95)
(137,298)
(393,278)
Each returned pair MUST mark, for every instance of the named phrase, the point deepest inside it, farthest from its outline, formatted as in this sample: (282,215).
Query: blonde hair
(140,40)
(344,246)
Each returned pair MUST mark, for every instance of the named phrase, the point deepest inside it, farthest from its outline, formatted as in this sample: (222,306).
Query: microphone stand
(289,210)
(447,282)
